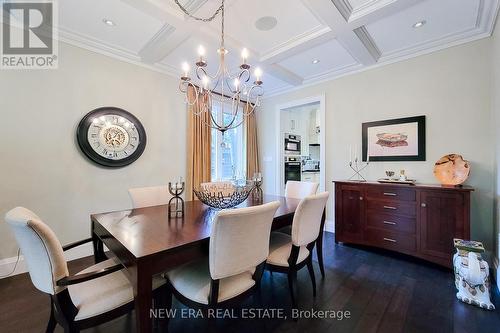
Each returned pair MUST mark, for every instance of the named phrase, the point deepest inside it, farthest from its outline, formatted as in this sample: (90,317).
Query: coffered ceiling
(340,36)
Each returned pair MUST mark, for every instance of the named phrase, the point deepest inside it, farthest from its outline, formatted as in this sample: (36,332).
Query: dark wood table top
(147,231)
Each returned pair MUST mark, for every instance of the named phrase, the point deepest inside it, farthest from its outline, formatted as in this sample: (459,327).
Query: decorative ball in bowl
(221,195)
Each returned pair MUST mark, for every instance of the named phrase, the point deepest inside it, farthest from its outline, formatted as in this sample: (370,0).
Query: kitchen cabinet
(312,177)
(419,220)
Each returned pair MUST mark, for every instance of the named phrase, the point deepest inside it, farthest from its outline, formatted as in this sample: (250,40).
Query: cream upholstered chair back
(300,190)
(149,196)
(41,249)
(307,219)
(240,239)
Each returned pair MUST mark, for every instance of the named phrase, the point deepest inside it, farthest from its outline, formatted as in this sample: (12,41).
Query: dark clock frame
(86,122)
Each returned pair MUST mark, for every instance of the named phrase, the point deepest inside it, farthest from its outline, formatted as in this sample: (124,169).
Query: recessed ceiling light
(315,61)
(108,22)
(419,24)
(266,23)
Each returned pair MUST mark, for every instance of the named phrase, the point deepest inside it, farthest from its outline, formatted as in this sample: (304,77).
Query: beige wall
(41,165)
(450,87)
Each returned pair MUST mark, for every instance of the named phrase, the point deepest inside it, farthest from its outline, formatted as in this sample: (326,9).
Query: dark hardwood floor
(382,291)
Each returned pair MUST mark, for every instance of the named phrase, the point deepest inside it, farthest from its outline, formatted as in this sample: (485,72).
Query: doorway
(300,140)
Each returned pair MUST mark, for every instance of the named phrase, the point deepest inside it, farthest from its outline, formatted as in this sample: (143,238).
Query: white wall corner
(8,264)
(496,272)
(330,226)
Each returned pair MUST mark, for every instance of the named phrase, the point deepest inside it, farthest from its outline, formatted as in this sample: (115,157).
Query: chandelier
(222,88)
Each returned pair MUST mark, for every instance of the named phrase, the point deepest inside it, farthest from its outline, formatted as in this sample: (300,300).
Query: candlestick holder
(357,167)
(176,203)
(257,194)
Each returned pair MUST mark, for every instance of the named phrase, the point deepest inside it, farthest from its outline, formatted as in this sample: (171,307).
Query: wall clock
(111,137)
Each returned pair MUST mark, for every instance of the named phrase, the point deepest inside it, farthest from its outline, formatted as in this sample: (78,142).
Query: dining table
(147,241)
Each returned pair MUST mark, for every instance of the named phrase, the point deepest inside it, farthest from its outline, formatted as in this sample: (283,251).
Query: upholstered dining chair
(300,190)
(289,253)
(149,196)
(239,246)
(93,296)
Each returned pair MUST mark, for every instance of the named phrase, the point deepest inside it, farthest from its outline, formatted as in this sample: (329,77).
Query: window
(228,150)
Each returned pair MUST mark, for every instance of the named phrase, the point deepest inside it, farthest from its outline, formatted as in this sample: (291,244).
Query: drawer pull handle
(423,205)
(390,207)
(390,240)
(390,194)
(391,223)
(361,198)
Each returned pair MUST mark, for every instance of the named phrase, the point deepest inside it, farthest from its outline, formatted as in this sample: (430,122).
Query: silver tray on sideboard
(397,181)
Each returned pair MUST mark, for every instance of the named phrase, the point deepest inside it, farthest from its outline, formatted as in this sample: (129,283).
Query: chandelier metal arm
(207,19)
(212,88)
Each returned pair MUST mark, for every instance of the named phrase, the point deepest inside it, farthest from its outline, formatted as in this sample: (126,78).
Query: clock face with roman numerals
(111,137)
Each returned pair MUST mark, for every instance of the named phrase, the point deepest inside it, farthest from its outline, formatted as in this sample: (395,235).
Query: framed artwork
(394,140)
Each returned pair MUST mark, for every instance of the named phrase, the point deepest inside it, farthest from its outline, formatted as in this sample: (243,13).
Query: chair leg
(51,326)
(71,329)
(311,274)
(164,301)
(319,252)
(292,275)
(211,321)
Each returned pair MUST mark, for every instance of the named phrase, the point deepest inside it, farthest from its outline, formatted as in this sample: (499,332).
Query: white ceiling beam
(329,14)
(283,74)
(293,47)
(178,29)
(349,23)
(378,11)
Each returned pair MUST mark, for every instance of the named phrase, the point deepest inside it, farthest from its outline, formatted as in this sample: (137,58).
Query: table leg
(143,295)
(319,245)
(98,246)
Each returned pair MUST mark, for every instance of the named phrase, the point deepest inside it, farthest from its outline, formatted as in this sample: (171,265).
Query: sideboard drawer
(391,193)
(392,207)
(391,222)
(392,240)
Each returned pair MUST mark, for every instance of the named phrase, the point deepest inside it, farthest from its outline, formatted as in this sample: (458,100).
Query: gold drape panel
(198,148)
(252,144)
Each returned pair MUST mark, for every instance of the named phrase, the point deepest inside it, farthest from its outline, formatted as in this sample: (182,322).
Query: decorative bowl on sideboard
(452,169)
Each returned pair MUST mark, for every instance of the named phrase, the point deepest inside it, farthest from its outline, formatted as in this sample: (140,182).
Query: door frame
(279,140)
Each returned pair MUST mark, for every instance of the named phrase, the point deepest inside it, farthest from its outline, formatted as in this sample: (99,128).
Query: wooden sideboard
(418,220)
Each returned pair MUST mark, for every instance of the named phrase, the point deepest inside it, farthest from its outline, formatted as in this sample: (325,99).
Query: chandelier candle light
(222,87)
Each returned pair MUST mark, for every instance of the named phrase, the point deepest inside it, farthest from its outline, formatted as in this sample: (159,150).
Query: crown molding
(337,74)
(487,15)
(94,45)
(488,12)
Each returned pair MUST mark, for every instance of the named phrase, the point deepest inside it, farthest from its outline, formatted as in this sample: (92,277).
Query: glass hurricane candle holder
(176,203)
(257,193)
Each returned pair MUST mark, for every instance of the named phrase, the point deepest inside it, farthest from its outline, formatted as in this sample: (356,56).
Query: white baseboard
(7,264)
(330,226)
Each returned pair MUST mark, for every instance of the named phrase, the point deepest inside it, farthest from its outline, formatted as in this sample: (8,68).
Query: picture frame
(401,139)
